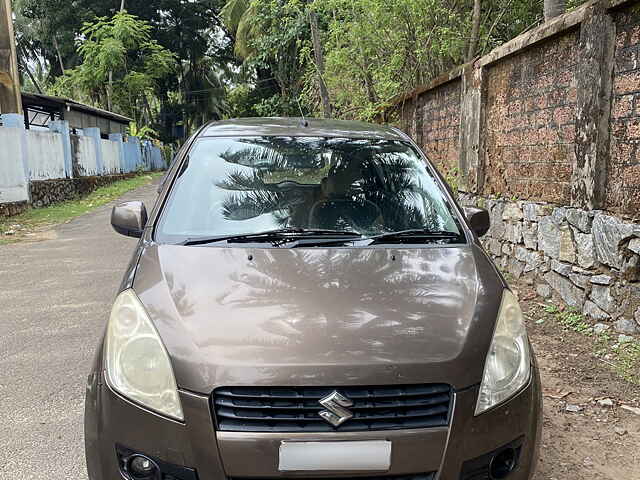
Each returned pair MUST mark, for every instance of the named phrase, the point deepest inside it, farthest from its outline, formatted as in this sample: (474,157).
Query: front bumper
(111,420)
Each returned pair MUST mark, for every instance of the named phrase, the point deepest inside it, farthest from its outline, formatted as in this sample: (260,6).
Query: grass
(624,358)
(37,218)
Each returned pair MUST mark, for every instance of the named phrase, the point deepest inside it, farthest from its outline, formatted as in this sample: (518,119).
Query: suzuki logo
(336,413)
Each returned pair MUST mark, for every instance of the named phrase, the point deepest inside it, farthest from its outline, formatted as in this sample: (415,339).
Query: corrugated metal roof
(48,100)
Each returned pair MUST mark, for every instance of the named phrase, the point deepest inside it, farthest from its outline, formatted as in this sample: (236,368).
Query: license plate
(365,455)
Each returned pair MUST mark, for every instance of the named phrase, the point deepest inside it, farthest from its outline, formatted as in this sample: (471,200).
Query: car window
(252,184)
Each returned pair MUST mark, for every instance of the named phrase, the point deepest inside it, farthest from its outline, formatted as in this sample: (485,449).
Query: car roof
(299,127)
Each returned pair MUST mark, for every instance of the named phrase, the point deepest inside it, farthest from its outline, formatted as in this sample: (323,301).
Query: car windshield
(238,186)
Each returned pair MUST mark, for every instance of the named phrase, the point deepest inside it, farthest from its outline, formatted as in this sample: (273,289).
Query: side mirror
(478,219)
(129,218)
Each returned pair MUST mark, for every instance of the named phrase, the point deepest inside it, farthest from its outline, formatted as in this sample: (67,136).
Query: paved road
(55,297)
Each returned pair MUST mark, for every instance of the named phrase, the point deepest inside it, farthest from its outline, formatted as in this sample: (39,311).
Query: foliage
(144,133)
(49,29)
(374,49)
(377,48)
(250,57)
(120,67)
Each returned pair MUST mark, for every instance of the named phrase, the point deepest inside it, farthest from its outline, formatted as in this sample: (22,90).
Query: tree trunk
(109,90)
(368,80)
(475,31)
(319,59)
(554,8)
(32,77)
(55,44)
(122,5)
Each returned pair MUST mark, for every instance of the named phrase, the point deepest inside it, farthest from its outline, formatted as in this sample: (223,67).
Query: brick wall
(440,126)
(530,122)
(407,114)
(623,192)
(548,141)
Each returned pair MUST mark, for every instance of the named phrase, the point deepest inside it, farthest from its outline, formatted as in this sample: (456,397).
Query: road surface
(55,297)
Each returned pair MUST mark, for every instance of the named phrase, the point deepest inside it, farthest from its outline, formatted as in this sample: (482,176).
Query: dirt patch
(28,234)
(590,428)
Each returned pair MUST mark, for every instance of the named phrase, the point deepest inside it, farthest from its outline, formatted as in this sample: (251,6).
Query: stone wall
(549,143)
(12,208)
(588,259)
(47,192)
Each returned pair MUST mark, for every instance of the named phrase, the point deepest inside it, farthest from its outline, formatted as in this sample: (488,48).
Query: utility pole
(10,99)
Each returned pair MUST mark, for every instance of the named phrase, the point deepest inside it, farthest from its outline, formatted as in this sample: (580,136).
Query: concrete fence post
(16,120)
(470,148)
(136,150)
(62,127)
(14,179)
(594,80)
(118,138)
(94,133)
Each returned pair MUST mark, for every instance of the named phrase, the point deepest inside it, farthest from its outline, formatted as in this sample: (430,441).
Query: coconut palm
(390,202)
(237,16)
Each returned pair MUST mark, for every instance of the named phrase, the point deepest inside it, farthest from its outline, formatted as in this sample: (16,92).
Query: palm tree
(237,16)
(381,196)
(204,91)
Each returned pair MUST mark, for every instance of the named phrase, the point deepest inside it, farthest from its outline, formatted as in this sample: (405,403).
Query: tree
(272,37)
(319,62)
(120,67)
(238,17)
(475,30)
(554,8)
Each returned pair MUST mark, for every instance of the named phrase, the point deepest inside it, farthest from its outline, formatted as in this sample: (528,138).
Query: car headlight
(137,363)
(508,365)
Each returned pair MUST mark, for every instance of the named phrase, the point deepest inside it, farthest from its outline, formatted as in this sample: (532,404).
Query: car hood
(330,317)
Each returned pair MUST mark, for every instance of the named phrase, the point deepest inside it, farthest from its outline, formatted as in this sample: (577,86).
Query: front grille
(415,476)
(295,409)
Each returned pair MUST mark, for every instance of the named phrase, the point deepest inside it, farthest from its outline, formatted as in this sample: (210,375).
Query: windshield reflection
(246,185)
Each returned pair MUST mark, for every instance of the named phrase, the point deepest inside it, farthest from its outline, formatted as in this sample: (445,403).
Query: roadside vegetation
(172,66)
(27,225)
(619,352)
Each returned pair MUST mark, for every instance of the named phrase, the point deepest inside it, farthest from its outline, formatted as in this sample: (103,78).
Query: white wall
(111,157)
(45,155)
(86,154)
(13,184)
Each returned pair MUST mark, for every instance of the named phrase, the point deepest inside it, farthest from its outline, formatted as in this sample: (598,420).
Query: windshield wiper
(278,235)
(416,233)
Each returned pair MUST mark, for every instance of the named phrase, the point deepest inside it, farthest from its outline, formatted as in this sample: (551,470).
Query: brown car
(308,300)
